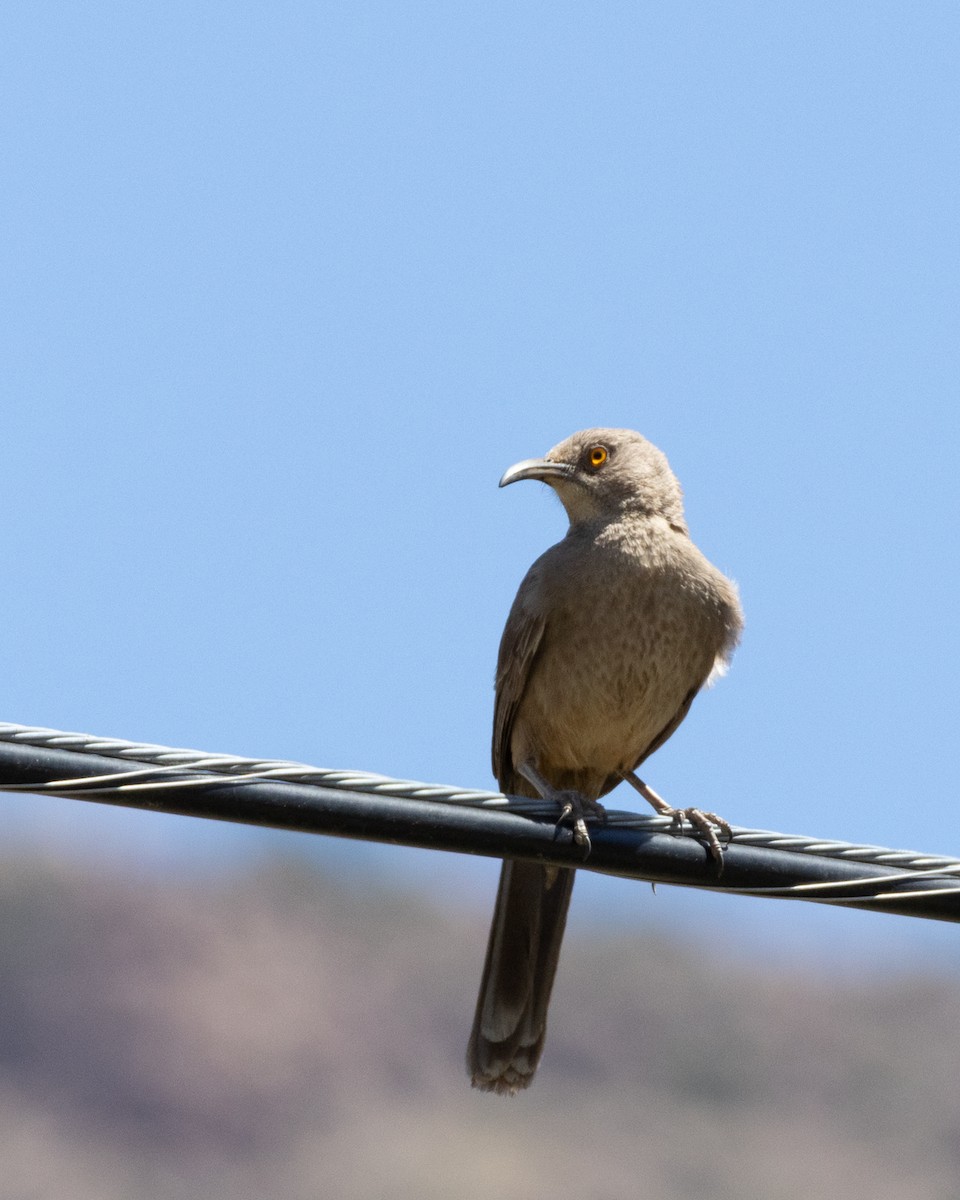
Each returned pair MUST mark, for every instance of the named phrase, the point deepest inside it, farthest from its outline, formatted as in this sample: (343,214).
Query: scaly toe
(721,824)
(704,823)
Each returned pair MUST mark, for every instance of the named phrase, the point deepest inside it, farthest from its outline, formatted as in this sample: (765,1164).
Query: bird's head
(601,474)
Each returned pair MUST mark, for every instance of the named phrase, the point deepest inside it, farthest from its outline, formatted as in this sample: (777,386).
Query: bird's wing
(522,636)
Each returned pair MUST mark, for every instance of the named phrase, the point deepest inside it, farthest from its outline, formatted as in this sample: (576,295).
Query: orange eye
(598,456)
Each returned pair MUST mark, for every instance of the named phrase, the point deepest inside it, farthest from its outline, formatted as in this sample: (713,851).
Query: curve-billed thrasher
(613,632)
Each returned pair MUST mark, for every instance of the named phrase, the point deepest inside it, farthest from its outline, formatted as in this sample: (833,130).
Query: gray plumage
(613,632)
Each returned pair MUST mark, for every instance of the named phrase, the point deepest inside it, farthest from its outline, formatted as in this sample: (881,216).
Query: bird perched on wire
(613,632)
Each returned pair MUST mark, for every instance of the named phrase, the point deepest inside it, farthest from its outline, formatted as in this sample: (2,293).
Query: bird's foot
(574,806)
(578,810)
(706,824)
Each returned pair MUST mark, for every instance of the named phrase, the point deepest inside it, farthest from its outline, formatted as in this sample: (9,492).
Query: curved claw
(576,808)
(706,824)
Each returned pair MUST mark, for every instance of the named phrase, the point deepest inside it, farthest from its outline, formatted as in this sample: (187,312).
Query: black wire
(660,857)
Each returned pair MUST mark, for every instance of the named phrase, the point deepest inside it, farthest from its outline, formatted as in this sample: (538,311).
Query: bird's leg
(703,822)
(572,804)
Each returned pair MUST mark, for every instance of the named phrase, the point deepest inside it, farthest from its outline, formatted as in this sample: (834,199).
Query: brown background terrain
(277,1034)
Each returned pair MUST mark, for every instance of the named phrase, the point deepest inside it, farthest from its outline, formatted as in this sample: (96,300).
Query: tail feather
(522,955)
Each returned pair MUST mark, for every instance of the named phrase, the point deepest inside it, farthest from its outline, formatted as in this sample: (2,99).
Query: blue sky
(285,288)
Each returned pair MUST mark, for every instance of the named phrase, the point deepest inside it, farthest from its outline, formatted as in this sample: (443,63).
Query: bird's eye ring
(598,456)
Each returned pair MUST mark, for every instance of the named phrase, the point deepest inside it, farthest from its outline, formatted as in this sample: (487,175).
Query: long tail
(522,955)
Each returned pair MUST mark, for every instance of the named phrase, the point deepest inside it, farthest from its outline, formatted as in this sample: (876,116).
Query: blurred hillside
(276,1034)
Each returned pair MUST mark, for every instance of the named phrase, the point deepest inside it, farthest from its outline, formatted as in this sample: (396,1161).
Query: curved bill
(537,468)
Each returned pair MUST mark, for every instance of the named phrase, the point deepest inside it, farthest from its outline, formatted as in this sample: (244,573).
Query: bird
(613,632)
